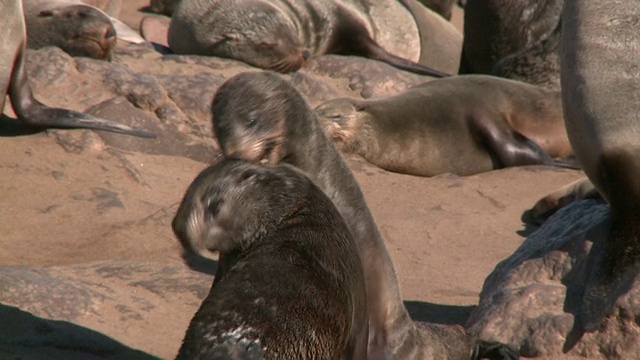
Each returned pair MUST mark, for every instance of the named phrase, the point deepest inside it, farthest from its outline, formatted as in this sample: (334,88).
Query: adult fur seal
(294,286)
(281,35)
(601,107)
(75,27)
(260,117)
(13,80)
(462,124)
(494,29)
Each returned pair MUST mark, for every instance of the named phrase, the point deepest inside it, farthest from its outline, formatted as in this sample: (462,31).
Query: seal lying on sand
(280,35)
(13,80)
(260,117)
(294,286)
(601,107)
(462,124)
(75,27)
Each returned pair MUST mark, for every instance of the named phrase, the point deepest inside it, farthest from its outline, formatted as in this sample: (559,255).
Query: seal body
(601,107)
(259,117)
(494,29)
(293,287)
(280,35)
(463,124)
(14,81)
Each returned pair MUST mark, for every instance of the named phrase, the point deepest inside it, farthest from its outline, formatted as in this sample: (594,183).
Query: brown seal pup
(494,29)
(463,124)
(260,117)
(294,286)
(280,35)
(14,81)
(601,107)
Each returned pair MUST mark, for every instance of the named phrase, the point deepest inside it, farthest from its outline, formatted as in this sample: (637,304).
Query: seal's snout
(110,32)
(306,54)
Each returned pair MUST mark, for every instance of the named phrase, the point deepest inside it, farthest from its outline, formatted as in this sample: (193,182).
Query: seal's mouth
(271,152)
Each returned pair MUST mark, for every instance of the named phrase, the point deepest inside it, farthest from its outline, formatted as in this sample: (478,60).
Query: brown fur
(462,124)
(79,30)
(601,107)
(14,81)
(259,117)
(292,286)
(280,36)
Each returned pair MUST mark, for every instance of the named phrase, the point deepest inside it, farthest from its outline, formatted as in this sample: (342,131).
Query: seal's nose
(306,54)
(110,33)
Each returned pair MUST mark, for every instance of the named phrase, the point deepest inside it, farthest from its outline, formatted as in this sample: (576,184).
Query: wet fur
(253,106)
(292,286)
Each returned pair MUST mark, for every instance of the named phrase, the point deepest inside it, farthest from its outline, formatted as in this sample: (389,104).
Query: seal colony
(14,81)
(259,117)
(280,35)
(601,107)
(461,124)
(272,224)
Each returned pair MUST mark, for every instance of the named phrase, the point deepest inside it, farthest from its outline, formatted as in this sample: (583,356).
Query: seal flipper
(360,43)
(507,146)
(36,114)
(615,261)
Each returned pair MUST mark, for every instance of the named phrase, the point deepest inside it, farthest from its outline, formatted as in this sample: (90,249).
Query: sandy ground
(445,234)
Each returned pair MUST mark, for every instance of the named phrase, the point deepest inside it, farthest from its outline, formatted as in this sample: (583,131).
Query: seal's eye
(253,120)
(46,13)
(213,206)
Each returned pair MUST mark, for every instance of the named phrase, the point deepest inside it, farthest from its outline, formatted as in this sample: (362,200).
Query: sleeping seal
(281,35)
(463,124)
(293,286)
(13,80)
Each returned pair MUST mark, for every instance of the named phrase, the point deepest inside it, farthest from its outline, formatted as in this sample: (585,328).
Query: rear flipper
(46,117)
(34,113)
(548,205)
(374,51)
(509,148)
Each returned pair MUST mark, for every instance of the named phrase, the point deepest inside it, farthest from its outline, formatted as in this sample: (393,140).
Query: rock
(530,300)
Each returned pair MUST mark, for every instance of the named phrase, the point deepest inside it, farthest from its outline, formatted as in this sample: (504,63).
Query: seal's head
(231,204)
(78,30)
(342,122)
(254,114)
(252,31)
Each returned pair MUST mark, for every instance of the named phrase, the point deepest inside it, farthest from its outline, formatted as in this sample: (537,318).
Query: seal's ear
(360,105)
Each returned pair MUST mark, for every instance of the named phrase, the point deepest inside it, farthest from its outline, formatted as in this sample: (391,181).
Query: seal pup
(494,29)
(463,124)
(77,28)
(294,286)
(14,81)
(280,35)
(601,106)
(260,117)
